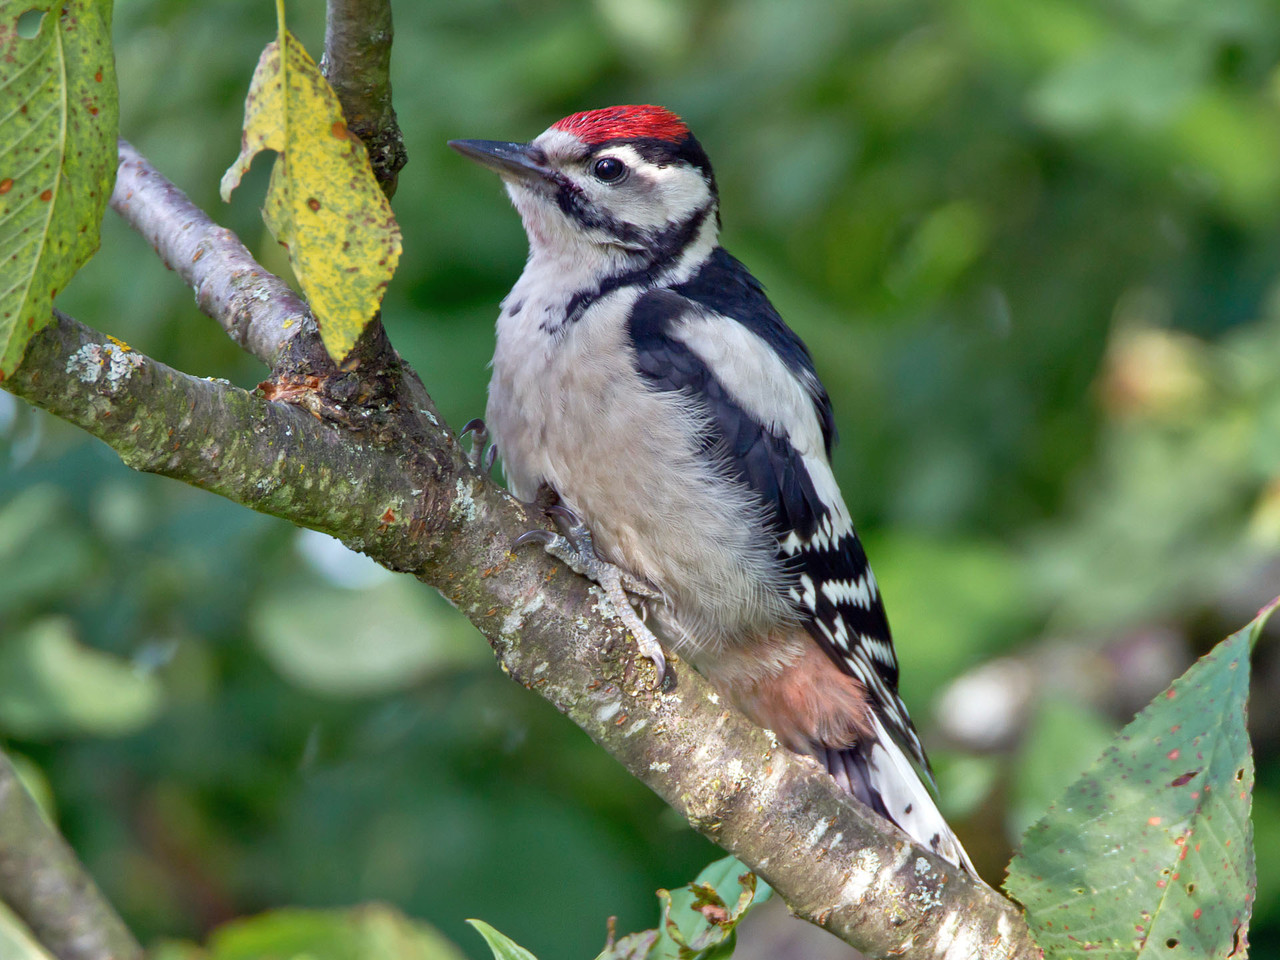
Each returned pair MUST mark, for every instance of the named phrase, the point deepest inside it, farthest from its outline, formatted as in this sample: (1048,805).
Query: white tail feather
(908,800)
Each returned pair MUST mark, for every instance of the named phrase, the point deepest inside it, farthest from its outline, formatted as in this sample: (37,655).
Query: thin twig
(256,308)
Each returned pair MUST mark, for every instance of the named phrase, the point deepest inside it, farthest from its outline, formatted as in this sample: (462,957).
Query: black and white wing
(718,338)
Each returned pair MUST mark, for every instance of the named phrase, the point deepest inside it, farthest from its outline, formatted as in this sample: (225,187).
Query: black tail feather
(849,767)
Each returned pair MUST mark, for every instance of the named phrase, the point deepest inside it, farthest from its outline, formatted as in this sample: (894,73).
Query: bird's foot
(482,453)
(574,546)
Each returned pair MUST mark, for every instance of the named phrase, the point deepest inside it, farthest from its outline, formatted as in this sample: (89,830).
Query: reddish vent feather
(624,123)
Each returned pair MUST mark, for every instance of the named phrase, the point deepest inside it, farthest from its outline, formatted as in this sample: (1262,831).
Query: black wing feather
(724,286)
(771,467)
(768,464)
(853,632)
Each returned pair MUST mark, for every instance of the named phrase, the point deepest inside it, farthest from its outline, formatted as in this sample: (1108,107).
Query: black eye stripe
(608,169)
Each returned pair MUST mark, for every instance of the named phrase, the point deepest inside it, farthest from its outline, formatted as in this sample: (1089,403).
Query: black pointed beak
(517,160)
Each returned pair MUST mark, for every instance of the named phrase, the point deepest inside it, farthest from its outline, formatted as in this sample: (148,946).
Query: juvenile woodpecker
(643,376)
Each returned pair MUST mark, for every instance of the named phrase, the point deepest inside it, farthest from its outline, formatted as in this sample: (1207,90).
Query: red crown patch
(624,123)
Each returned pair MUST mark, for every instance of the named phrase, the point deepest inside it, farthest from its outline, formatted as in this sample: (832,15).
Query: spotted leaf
(1150,853)
(322,203)
(57,154)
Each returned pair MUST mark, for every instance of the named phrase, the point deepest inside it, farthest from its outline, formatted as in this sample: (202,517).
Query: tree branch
(274,457)
(389,479)
(44,884)
(256,308)
(357,64)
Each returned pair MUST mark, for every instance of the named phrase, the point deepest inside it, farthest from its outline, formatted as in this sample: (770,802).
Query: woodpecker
(644,377)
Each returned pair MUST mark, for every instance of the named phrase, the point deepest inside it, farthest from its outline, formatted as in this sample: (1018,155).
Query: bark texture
(257,309)
(357,64)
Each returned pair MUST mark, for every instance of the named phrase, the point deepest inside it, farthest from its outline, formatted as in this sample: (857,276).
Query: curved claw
(572,528)
(659,665)
(574,546)
(482,454)
(561,512)
(576,536)
(544,537)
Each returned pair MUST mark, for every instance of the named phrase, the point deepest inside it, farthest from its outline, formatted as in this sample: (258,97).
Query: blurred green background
(1035,248)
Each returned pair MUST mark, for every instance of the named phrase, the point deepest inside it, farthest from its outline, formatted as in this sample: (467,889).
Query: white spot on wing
(859,670)
(842,633)
(879,650)
(859,592)
(808,595)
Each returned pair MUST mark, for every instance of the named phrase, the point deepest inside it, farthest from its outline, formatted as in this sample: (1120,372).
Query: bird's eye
(609,169)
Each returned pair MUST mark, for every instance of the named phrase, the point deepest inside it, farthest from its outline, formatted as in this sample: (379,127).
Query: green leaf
(57,154)
(1064,739)
(323,202)
(1150,853)
(503,947)
(634,946)
(371,932)
(50,684)
(699,920)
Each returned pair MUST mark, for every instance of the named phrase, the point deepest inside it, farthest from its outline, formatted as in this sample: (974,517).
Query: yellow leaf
(323,204)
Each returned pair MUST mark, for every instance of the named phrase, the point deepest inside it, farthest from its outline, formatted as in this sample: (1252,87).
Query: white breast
(570,410)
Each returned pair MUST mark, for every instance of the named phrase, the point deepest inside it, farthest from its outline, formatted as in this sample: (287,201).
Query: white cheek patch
(681,187)
(652,198)
(657,196)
